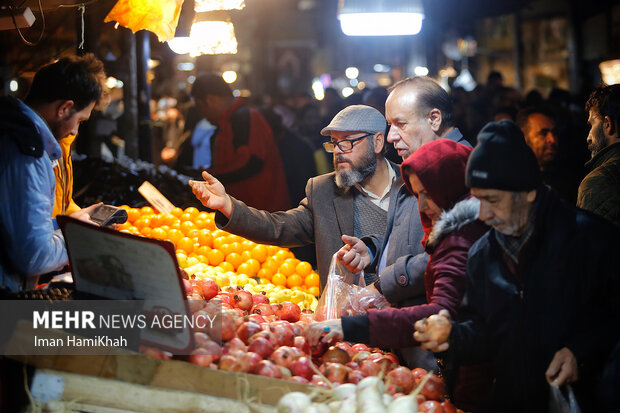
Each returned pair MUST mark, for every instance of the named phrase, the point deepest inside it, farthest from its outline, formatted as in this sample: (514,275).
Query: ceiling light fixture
(381,17)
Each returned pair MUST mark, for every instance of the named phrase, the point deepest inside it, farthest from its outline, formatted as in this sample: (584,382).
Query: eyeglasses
(345,145)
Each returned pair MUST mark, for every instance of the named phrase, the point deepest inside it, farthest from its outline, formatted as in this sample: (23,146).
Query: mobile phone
(105,215)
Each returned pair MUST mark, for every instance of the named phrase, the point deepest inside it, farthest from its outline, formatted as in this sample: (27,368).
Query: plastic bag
(346,294)
(562,400)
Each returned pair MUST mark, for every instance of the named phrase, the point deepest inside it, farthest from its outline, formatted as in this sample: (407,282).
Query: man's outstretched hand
(433,332)
(354,254)
(211,193)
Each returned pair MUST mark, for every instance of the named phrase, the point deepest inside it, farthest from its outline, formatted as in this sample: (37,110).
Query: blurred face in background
(507,212)
(425,204)
(541,137)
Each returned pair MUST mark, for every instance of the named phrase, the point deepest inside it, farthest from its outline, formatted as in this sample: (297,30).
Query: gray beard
(346,179)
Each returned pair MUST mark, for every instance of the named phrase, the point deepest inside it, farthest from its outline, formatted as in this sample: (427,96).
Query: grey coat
(321,218)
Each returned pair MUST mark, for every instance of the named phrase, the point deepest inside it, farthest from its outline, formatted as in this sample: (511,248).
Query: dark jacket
(599,191)
(565,295)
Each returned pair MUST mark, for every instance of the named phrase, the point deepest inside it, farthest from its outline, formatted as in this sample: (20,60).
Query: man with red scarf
(245,156)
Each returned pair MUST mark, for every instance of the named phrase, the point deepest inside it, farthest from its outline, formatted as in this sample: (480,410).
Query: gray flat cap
(355,118)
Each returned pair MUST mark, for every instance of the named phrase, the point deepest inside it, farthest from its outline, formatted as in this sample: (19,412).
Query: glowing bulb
(380,24)
(420,71)
(13,85)
(180,45)
(347,91)
(229,76)
(317,88)
(351,72)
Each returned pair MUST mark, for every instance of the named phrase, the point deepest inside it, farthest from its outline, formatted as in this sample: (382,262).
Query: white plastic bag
(562,400)
(346,294)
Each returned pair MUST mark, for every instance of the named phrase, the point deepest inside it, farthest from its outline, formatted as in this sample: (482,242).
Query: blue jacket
(30,244)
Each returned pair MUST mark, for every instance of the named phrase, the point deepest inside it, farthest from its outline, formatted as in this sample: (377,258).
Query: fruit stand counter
(141,383)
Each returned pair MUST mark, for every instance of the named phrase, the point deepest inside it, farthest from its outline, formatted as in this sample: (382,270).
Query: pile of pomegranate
(268,340)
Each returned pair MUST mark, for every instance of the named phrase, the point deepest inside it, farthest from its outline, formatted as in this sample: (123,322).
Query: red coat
(247,161)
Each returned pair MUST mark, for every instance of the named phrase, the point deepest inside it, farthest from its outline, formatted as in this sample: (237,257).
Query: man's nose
(484,214)
(392,135)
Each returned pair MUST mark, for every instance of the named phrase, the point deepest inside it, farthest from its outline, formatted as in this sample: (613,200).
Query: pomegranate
(200,339)
(202,357)
(225,298)
(336,355)
(250,361)
(361,356)
(392,357)
(268,335)
(320,348)
(209,288)
(236,344)
(284,356)
(257,318)
(301,367)
(352,365)
(243,300)
(263,309)
(385,363)
(230,362)
(346,347)
(288,311)
(360,347)
(285,372)
(283,333)
(448,407)
(247,330)
(307,318)
(402,379)
(260,298)
(298,328)
(434,389)
(268,369)
(355,376)
(261,346)
(188,287)
(302,344)
(335,372)
(298,379)
(430,406)
(370,368)
(228,326)
(418,374)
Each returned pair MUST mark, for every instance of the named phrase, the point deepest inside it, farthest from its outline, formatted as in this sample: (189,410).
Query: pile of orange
(194,234)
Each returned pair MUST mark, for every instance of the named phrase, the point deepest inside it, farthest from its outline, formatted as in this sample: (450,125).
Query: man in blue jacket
(542,302)
(62,95)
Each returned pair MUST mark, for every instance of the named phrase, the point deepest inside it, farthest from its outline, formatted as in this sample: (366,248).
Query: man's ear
(530,196)
(434,119)
(64,109)
(610,128)
(378,142)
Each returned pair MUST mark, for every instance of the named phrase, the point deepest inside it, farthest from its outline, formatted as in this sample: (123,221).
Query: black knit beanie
(502,160)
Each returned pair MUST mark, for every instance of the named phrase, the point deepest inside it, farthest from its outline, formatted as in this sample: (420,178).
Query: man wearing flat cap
(353,199)
(542,294)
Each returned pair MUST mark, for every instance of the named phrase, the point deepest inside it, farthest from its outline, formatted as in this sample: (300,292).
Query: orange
(155,221)
(294,281)
(187,226)
(210,223)
(176,211)
(168,219)
(226,266)
(200,223)
(147,210)
(193,211)
(218,241)
(312,279)
(203,250)
(235,259)
(176,224)
(287,269)
(226,249)
(236,247)
(202,259)
(123,226)
(215,257)
(270,264)
(205,237)
(142,222)
(159,234)
(254,264)
(246,244)
(165,227)
(186,244)
(174,235)
(246,269)
(192,233)
(264,273)
(259,253)
(272,249)
(247,255)
(303,268)
(264,281)
(282,255)
(278,279)
(314,291)
(125,207)
(146,231)
(203,216)
(186,217)
(135,231)
(133,214)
